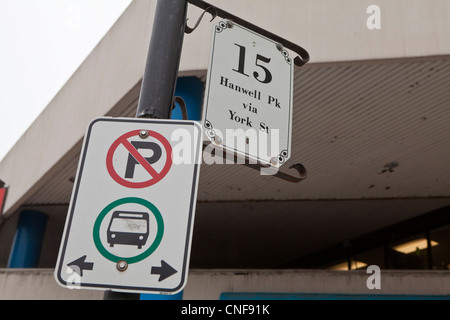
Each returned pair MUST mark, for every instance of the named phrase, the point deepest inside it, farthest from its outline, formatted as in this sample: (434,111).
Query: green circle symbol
(108,255)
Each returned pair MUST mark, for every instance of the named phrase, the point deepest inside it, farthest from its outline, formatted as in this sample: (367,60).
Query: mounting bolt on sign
(122,265)
(143,134)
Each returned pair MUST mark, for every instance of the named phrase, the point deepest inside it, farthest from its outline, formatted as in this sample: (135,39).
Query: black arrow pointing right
(80,265)
(164,271)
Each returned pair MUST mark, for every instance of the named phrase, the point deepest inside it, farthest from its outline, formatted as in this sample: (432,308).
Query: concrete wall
(38,284)
(209,284)
(337,30)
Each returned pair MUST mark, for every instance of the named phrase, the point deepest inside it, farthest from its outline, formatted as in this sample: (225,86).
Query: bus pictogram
(128,228)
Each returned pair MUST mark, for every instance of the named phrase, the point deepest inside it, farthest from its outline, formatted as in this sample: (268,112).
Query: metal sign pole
(160,75)
(163,60)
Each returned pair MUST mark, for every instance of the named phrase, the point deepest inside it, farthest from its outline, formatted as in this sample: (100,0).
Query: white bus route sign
(249,95)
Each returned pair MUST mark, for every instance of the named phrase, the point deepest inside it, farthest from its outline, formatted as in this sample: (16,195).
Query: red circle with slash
(156,176)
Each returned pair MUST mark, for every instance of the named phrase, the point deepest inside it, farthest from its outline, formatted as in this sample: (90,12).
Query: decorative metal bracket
(301,171)
(182,104)
(211,10)
(302,55)
(268,170)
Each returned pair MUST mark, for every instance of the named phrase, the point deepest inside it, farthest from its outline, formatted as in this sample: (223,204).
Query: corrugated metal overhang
(363,130)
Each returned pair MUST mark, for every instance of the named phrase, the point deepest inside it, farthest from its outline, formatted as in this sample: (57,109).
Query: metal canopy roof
(372,130)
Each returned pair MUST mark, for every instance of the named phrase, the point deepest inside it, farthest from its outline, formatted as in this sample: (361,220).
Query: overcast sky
(42,44)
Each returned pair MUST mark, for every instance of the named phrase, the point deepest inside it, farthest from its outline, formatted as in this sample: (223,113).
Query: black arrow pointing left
(80,264)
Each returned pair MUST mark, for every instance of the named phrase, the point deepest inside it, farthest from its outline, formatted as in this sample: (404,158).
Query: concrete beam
(210,284)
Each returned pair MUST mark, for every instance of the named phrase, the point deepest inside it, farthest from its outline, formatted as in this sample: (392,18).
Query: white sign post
(130,220)
(248,98)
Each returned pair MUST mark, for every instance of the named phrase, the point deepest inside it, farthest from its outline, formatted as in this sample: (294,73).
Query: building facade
(370,124)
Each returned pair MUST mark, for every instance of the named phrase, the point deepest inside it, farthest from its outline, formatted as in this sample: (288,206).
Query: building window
(409,253)
(440,253)
(422,251)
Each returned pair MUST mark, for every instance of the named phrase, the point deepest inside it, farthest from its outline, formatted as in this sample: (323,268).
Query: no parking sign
(130,220)
(159,147)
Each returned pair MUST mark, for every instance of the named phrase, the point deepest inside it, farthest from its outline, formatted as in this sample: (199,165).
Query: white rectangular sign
(248,98)
(130,220)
